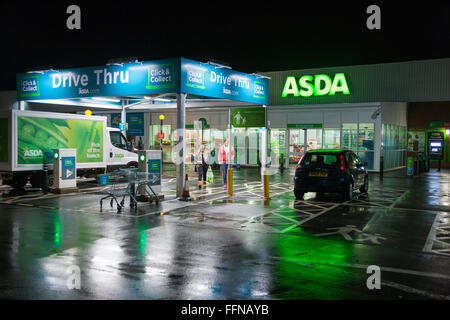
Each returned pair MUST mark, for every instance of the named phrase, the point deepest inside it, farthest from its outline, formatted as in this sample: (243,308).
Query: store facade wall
(345,126)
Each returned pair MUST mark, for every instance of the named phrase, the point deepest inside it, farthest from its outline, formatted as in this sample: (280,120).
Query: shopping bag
(210,175)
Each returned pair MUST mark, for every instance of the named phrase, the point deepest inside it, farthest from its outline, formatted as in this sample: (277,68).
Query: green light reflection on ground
(309,267)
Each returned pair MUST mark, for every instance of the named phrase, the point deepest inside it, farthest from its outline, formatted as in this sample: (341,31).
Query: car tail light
(298,164)
(342,163)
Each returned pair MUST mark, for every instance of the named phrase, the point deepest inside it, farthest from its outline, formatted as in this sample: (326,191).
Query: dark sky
(255,37)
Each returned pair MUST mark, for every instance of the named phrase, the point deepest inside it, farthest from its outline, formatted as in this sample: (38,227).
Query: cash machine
(436,146)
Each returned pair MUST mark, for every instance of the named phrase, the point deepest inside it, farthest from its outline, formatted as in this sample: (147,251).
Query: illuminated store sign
(315,85)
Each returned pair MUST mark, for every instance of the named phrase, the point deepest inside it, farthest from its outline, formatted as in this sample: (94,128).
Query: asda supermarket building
(375,110)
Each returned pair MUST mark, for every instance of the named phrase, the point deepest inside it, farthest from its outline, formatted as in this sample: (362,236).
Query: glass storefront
(246,142)
(349,136)
(394,141)
(358,137)
(277,146)
(297,142)
(366,137)
(286,144)
(331,138)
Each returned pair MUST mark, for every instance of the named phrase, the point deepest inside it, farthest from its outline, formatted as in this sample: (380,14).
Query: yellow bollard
(229,182)
(266,192)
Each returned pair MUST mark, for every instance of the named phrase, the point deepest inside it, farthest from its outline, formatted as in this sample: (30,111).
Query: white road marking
(362,266)
(432,234)
(414,290)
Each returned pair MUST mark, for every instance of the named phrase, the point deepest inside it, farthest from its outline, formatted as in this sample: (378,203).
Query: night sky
(257,37)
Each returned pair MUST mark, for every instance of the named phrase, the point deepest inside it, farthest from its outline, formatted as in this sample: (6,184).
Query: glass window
(118,140)
(239,137)
(320,159)
(277,146)
(314,137)
(331,138)
(366,136)
(349,136)
(367,156)
(296,141)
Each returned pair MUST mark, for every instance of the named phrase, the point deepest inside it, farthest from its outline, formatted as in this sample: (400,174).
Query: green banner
(37,135)
(3,140)
(249,117)
(435,124)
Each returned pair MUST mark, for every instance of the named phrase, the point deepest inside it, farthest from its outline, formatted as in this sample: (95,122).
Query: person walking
(201,163)
(224,159)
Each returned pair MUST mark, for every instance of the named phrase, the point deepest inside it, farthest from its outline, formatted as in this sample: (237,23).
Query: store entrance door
(302,140)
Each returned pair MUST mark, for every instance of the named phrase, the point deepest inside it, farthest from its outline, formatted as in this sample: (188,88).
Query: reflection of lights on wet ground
(57,229)
(54,268)
(106,255)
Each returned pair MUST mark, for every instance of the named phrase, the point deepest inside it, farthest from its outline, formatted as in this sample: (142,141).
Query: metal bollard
(229,182)
(44,179)
(381,166)
(266,192)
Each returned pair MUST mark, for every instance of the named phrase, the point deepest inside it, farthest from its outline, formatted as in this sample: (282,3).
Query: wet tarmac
(238,247)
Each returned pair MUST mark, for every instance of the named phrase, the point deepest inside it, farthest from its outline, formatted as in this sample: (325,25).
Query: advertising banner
(249,117)
(416,141)
(35,135)
(135,123)
(208,80)
(178,75)
(138,78)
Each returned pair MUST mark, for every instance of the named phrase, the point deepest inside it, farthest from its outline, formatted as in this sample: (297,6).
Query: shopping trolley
(142,182)
(119,188)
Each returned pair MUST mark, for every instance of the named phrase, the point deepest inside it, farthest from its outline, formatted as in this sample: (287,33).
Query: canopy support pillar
(181,144)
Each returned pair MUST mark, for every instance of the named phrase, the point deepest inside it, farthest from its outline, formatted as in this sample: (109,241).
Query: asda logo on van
(315,85)
(30,153)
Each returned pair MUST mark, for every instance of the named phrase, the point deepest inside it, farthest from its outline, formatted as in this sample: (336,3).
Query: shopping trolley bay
(132,240)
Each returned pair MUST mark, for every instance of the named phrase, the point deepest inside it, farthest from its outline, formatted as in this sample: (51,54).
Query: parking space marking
(438,240)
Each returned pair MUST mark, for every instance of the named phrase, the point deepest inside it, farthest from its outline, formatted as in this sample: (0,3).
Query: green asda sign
(315,85)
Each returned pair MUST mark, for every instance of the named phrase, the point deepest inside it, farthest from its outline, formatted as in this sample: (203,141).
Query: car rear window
(330,159)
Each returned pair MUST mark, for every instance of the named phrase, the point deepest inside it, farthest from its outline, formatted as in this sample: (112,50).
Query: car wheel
(299,195)
(365,187)
(348,193)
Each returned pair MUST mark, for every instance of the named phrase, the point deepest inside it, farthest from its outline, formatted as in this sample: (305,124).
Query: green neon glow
(318,85)
(319,91)
(290,87)
(311,267)
(306,83)
(57,230)
(324,150)
(339,78)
